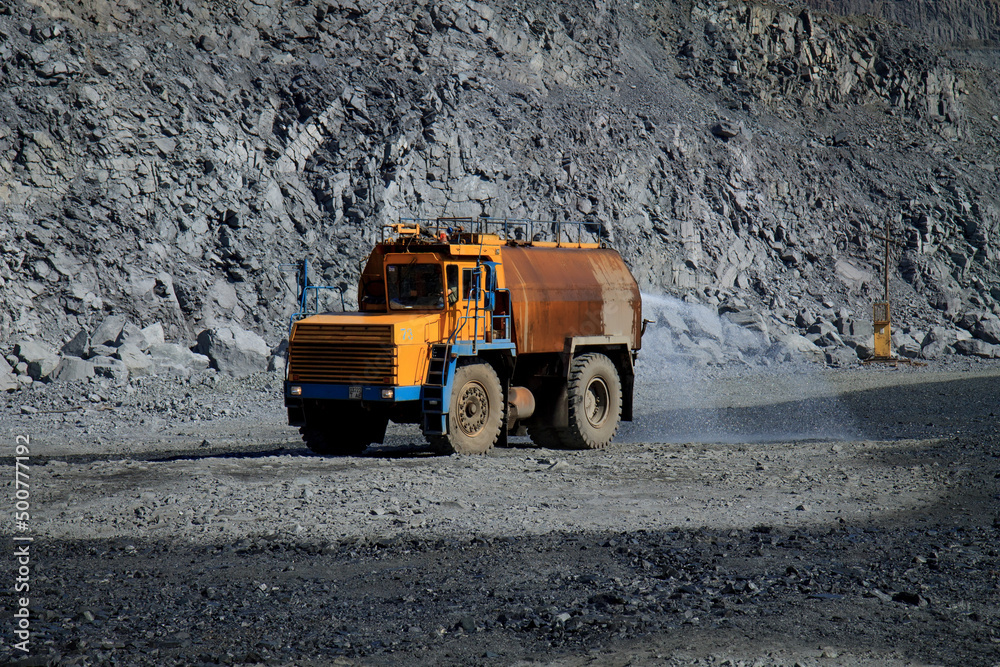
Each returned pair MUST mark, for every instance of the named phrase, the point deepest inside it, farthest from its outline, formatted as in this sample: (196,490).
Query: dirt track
(764,517)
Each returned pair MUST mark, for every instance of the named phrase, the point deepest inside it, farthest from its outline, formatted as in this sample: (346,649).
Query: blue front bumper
(352,392)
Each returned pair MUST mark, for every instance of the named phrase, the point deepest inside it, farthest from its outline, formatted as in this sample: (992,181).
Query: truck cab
(435,343)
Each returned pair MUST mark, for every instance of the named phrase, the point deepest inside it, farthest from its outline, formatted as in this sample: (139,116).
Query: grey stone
(906,345)
(40,360)
(831,339)
(865,348)
(851,274)
(847,326)
(988,329)
(938,342)
(977,348)
(821,328)
(8,381)
(132,335)
(109,367)
(108,331)
(726,130)
(73,369)
(841,356)
(969,320)
(803,348)
(153,335)
(233,350)
(78,345)
(137,362)
(748,319)
(177,359)
(276,363)
(101,351)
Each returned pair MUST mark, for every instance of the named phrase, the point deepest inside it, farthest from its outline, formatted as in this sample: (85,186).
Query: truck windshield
(414,286)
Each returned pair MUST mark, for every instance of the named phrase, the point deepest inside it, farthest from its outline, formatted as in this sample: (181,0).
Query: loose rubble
(755,515)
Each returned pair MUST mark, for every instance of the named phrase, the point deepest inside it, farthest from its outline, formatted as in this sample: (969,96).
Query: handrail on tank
(511,230)
(528,231)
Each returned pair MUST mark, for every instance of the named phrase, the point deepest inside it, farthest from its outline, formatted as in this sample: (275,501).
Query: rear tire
(476,412)
(334,432)
(595,403)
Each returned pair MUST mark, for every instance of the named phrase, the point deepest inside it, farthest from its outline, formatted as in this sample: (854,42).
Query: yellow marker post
(883,334)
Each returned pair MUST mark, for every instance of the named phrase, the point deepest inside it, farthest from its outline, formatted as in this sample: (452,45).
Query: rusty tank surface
(558,294)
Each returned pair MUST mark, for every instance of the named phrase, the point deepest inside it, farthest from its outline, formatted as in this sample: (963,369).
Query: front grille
(342,353)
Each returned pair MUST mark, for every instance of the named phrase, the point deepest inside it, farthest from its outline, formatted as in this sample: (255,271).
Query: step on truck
(475,329)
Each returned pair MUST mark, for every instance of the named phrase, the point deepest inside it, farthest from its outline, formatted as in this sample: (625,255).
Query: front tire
(476,412)
(595,403)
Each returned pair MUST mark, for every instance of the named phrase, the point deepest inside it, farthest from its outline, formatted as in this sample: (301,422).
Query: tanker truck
(475,329)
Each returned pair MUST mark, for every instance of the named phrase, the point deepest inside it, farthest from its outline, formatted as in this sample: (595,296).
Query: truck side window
(414,286)
(468,284)
(452,273)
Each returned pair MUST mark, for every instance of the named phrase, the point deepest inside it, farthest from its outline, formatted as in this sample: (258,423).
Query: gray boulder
(77,346)
(132,335)
(801,347)
(137,362)
(748,319)
(906,344)
(233,350)
(938,342)
(108,331)
(276,362)
(73,369)
(101,351)
(841,356)
(988,329)
(847,326)
(153,334)
(8,381)
(109,367)
(977,348)
(177,359)
(40,360)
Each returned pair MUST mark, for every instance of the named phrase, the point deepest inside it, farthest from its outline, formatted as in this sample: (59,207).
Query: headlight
(388,394)
(295,391)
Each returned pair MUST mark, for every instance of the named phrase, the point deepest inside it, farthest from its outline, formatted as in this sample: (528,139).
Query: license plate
(354,393)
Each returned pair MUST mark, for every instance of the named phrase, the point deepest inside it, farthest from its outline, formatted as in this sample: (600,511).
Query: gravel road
(781,516)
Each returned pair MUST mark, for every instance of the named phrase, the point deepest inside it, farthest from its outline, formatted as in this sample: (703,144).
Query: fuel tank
(562,293)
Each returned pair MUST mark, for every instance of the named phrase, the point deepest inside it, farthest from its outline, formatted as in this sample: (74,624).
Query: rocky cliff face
(947,22)
(162,160)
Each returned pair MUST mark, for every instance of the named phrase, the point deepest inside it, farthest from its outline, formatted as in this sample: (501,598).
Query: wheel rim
(596,401)
(473,409)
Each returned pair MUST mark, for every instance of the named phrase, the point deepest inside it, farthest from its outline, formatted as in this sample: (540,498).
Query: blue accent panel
(341,392)
(449,381)
(464,349)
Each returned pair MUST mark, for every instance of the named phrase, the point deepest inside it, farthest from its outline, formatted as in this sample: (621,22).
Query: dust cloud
(701,378)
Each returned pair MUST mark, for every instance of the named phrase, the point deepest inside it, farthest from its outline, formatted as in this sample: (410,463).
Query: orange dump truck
(474,330)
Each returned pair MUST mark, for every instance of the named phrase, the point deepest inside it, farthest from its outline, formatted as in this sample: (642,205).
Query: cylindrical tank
(562,293)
